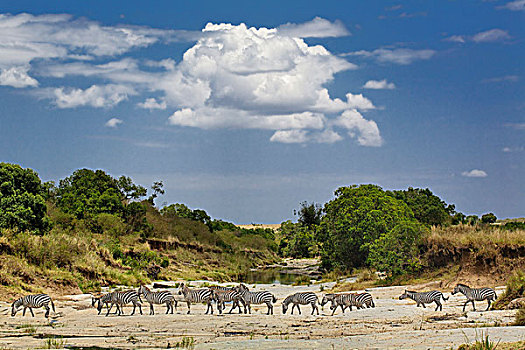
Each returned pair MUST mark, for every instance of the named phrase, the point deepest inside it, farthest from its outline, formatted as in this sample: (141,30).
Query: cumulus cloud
(94,96)
(400,56)
(379,85)
(492,35)
(113,122)
(233,76)
(17,77)
(474,173)
(316,28)
(152,103)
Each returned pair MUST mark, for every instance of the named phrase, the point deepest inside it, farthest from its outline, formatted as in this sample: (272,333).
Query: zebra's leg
(243,304)
(465,305)
(151,310)
(134,307)
(423,304)
(488,306)
(140,308)
(298,308)
(270,307)
(24,312)
(47,311)
(473,306)
(249,308)
(438,305)
(168,306)
(188,307)
(109,308)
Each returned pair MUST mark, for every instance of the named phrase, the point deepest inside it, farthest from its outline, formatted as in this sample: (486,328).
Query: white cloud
(379,85)
(17,77)
(94,96)
(234,76)
(517,126)
(316,28)
(513,149)
(474,173)
(152,103)
(113,122)
(517,5)
(366,131)
(290,136)
(492,35)
(397,56)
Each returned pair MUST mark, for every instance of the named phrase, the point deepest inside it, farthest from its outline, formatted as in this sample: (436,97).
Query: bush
(515,289)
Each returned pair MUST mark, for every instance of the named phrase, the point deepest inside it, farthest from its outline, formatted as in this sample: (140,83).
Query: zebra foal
(475,294)
(161,297)
(101,300)
(297,299)
(203,295)
(262,297)
(32,301)
(425,298)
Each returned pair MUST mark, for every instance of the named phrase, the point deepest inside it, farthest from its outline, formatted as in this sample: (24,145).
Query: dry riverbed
(392,324)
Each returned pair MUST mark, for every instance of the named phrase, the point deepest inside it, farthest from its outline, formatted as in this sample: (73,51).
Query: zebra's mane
(462,285)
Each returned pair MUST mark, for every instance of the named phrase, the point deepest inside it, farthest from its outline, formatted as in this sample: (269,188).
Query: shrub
(515,289)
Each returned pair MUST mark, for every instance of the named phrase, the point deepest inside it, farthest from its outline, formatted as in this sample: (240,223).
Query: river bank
(392,324)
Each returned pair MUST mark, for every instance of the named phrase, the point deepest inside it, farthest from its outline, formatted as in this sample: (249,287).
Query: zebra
(365,299)
(161,297)
(423,298)
(101,300)
(220,289)
(122,298)
(262,297)
(477,294)
(304,298)
(31,301)
(203,295)
(223,296)
(345,300)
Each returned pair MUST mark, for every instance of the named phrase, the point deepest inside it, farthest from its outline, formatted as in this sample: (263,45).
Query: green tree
(427,207)
(22,203)
(297,241)
(357,221)
(310,215)
(182,211)
(488,218)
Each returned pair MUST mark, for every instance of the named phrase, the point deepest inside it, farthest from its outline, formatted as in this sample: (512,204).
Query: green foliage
(182,211)
(297,241)
(472,220)
(427,208)
(488,218)
(513,226)
(87,193)
(480,344)
(22,204)
(359,221)
(520,318)
(310,215)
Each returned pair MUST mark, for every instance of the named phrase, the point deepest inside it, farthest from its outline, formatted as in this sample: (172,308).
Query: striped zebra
(224,296)
(161,297)
(31,301)
(477,294)
(101,300)
(123,298)
(203,295)
(345,300)
(262,297)
(220,289)
(423,298)
(365,299)
(304,298)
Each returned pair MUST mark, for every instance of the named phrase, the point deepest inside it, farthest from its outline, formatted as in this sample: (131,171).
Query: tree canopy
(427,208)
(366,226)
(22,203)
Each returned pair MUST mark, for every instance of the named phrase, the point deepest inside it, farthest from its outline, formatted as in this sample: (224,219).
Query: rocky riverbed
(392,324)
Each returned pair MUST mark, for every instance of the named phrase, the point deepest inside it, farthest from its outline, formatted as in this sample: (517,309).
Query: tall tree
(22,203)
(428,208)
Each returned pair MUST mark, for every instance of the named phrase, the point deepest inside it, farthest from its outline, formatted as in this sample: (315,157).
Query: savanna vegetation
(92,230)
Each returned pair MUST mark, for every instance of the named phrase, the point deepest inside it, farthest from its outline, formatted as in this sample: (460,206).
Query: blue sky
(246,109)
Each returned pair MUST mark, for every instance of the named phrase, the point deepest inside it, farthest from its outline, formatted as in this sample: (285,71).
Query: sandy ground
(392,324)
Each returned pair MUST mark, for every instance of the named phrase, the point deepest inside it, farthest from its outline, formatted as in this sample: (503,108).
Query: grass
(54,342)
(186,343)
(515,289)
(481,343)
(478,236)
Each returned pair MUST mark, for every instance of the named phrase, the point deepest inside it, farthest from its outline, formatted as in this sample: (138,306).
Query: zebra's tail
(443,295)
(274,298)
(52,305)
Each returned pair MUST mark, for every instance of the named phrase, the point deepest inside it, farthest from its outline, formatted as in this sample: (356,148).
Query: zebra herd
(241,295)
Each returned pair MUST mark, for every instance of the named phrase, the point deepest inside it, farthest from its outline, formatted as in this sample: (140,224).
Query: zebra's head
(404,295)
(285,308)
(14,307)
(142,290)
(182,287)
(94,299)
(327,298)
(458,288)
